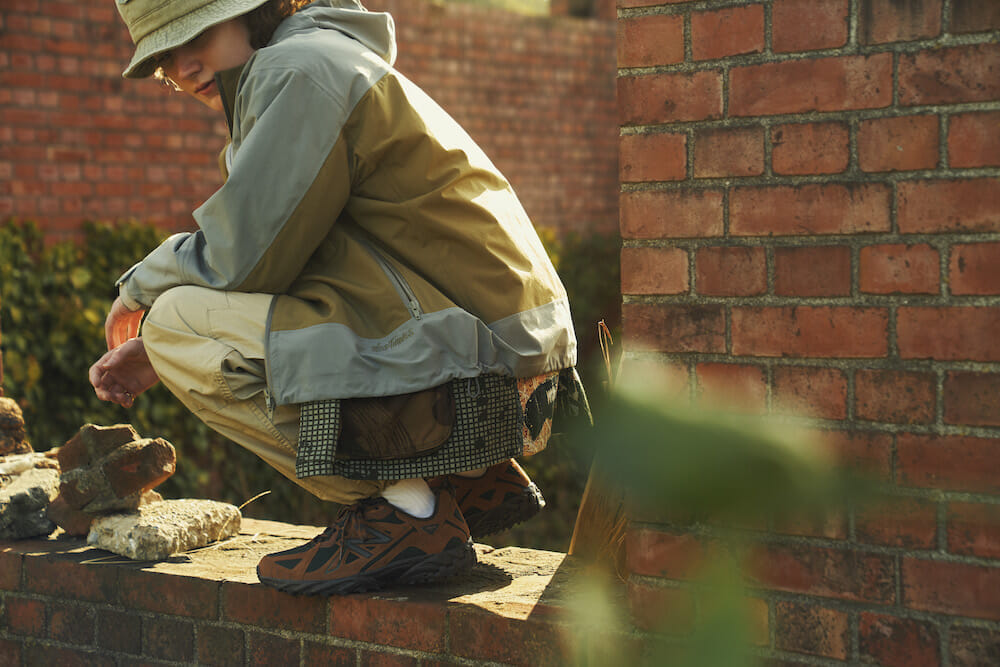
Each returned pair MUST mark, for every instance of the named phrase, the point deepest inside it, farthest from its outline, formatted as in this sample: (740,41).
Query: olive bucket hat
(157,26)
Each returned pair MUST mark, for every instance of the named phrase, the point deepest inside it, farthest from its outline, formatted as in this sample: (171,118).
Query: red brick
(64,578)
(139,466)
(672,97)
(831,524)
(974,529)
(10,570)
(734,386)
(898,144)
(654,271)
(972,398)
(415,625)
(324,654)
(807,25)
(727,32)
(660,609)
(731,271)
(268,649)
(812,271)
(120,632)
(653,157)
(674,328)
(973,268)
(71,623)
(974,16)
(899,269)
(647,41)
(168,639)
(833,573)
(662,554)
(799,86)
(898,642)
(532,640)
(898,522)
(884,21)
(42,654)
(973,140)
(380,659)
(974,647)
(267,608)
(813,392)
(10,652)
(947,462)
(224,646)
(899,397)
(169,594)
(729,152)
(961,333)
(951,588)
(673,214)
(813,630)
(950,75)
(809,210)
(810,331)
(810,148)
(25,616)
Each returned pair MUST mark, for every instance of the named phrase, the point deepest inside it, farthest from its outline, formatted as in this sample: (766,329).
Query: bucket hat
(157,26)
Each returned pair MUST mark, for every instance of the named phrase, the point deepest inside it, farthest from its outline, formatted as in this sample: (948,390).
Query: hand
(121,324)
(123,373)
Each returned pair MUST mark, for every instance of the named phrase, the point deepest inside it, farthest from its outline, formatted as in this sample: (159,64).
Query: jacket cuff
(127,299)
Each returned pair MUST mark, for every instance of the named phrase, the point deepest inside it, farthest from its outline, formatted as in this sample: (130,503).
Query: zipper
(399,282)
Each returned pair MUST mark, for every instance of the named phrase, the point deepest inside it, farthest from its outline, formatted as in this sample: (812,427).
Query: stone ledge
(512,608)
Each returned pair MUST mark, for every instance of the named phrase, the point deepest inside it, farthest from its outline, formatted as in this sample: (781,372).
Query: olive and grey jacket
(399,256)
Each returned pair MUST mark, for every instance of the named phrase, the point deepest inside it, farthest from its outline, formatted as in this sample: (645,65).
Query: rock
(15,464)
(23,503)
(77,522)
(138,466)
(13,439)
(93,442)
(108,469)
(158,530)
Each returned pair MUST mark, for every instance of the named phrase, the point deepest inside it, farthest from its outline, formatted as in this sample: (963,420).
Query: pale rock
(158,530)
(15,464)
(24,500)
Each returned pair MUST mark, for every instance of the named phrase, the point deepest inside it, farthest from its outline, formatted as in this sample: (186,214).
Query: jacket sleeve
(288,182)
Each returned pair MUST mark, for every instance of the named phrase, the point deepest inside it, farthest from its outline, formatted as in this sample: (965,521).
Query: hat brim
(181,31)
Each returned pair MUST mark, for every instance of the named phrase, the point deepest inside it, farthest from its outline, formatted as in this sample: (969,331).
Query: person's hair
(263,20)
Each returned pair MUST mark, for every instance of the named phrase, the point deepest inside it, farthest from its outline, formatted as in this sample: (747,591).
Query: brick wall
(62,603)
(810,207)
(77,142)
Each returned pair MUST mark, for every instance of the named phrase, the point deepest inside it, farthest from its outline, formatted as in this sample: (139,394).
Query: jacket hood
(376,30)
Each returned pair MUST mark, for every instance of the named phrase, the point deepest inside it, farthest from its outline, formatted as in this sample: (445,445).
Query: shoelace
(349,520)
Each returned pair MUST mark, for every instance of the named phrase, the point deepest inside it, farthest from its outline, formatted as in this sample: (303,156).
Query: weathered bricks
(838,220)
(13,439)
(898,642)
(106,469)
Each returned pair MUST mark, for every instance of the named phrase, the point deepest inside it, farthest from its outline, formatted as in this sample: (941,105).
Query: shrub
(53,301)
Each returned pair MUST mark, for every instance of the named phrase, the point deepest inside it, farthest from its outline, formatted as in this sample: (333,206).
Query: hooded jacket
(400,257)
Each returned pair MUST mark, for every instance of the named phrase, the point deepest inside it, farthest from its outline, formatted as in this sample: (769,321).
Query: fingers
(121,324)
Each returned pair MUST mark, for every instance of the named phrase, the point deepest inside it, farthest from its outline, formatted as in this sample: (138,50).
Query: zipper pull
(269,404)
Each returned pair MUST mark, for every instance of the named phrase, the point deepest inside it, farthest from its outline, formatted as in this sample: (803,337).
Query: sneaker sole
(507,514)
(427,569)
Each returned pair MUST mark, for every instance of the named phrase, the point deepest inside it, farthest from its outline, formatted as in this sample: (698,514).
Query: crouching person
(364,305)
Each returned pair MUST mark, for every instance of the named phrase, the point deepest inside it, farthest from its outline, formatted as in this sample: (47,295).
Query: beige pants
(207,346)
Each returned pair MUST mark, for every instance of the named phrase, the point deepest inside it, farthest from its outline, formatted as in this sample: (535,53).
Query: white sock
(413,496)
(478,472)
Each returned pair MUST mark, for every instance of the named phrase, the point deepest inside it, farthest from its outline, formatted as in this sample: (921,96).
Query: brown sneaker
(370,545)
(503,497)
